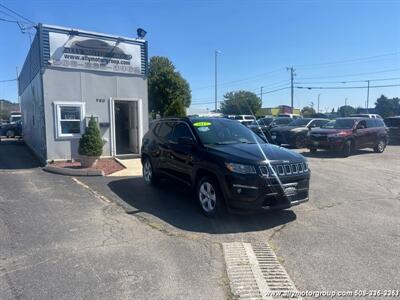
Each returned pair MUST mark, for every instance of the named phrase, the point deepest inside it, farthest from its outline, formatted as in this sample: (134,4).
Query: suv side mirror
(185,141)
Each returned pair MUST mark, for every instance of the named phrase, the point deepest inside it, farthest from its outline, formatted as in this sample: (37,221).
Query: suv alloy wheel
(300,141)
(10,133)
(380,147)
(209,196)
(148,173)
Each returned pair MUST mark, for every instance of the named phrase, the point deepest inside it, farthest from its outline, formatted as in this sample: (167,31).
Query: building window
(69,118)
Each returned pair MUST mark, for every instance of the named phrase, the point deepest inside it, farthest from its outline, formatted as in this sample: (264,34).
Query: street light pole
(216,78)
(367,96)
(318,103)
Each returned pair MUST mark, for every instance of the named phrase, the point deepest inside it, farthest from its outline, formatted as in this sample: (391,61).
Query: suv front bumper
(257,193)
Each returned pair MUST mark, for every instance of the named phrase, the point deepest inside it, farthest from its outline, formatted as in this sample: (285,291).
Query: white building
(70,75)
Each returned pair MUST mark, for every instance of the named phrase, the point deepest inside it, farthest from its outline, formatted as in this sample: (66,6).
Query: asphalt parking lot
(56,233)
(346,237)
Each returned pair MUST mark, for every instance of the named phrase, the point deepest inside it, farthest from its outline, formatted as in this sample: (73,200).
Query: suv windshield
(224,132)
(344,124)
(263,121)
(280,121)
(299,122)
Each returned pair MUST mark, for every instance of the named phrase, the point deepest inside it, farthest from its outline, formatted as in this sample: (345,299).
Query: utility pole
(345,101)
(261,94)
(318,103)
(292,74)
(19,102)
(367,96)
(216,78)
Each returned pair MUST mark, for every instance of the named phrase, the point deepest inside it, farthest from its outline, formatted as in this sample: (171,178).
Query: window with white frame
(69,118)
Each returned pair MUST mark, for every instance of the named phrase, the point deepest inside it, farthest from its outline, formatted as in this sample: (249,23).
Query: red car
(347,134)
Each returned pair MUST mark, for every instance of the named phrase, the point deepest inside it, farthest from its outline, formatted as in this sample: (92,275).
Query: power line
(351,60)
(17,14)
(267,92)
(344,87)
(239,80)
(354,74)
(349,81)
(8,80)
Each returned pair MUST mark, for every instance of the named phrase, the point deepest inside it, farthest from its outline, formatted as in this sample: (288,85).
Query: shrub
(91,144)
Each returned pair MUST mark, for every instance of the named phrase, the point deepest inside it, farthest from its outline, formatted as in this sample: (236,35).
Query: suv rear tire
(10,133)
(209,197)
(347,149)
(313,150)
(300,141)
(380,147)
(148,172)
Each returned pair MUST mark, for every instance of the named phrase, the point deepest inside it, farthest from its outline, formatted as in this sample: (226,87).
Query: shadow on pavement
(14,155)
(332,154)
(175,204)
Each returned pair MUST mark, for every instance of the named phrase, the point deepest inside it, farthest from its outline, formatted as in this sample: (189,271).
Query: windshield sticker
(201,124)
(203,129)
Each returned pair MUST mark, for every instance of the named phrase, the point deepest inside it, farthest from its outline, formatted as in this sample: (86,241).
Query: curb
(73,172)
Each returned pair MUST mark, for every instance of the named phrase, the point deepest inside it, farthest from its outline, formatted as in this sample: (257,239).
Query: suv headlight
(240,168)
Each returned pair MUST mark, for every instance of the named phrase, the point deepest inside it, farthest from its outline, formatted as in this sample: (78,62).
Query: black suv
(295,133)
(348,134)
(226,163)
(393,123)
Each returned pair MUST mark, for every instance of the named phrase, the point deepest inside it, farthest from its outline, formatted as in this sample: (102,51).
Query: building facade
(70,75)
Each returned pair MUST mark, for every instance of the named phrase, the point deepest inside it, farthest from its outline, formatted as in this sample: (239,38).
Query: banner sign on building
(78,52)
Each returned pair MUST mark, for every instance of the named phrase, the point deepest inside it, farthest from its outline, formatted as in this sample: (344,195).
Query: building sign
(77,52)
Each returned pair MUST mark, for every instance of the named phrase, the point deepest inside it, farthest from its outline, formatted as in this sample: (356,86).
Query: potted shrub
(90,145)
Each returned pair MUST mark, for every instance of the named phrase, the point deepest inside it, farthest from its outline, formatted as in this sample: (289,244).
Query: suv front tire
(148,172)
(210,197)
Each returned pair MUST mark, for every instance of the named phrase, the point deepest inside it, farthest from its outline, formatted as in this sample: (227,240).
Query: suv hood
(288,128)
(326,131)
(251,153)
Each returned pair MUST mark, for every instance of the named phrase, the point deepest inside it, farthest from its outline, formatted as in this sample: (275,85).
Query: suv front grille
(284,169)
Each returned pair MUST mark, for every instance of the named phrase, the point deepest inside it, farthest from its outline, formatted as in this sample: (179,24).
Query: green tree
(240,103)
(91,143)
(175,109)
(307,111)
(346,110)
(167,87)
(387,107)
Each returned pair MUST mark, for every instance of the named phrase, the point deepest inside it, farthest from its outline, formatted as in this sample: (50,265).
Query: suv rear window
(379,123)
(164,129)
(181,130)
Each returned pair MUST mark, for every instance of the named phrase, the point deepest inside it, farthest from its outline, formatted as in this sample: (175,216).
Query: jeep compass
(225,163)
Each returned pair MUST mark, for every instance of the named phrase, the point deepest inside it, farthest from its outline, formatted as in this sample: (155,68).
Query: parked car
(348,134)
(263,126)
(295,133)
(371,116)
(11,130)
(393,123)
(225,163)
(242,118)
(292,116)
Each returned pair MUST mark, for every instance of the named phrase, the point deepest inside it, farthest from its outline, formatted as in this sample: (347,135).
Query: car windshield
(263,121)
(344,124)
(299,122)
(224,132)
